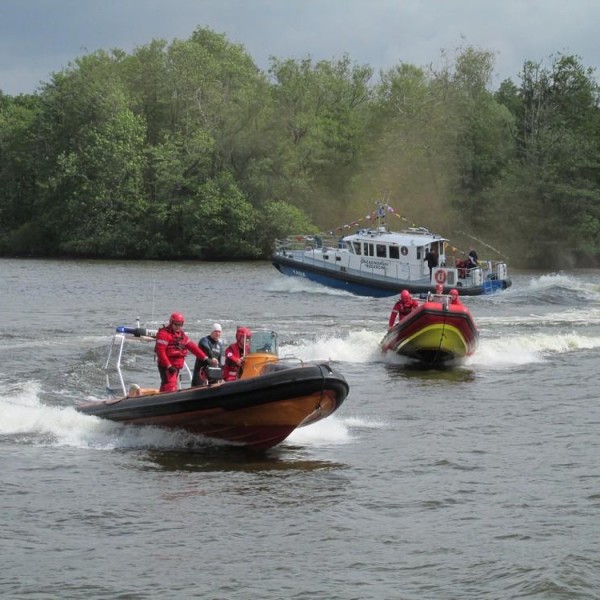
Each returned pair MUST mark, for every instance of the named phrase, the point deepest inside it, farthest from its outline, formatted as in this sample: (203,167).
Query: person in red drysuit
(234,354)
(454,297)
(403,307)
(172,345)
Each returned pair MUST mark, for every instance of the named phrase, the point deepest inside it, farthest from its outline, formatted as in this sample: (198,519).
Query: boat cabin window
(394,251)
(356,247)
(369,250)
(419,249)
(381,251)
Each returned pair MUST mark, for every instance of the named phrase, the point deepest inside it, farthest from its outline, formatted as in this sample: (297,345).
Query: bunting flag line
(380,213)
(483,243)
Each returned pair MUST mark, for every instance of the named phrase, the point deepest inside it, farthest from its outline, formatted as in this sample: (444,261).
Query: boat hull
(434,334)
(258,412)
(371,285)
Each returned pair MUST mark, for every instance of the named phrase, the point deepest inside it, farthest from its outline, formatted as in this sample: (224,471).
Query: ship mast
(381,212)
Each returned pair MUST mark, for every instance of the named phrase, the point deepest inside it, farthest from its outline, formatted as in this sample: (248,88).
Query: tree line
(187,150)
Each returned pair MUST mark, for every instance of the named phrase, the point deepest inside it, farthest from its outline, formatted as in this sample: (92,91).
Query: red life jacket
(171,347)
(233,356)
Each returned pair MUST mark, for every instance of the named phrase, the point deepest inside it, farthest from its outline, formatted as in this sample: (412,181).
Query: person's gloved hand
(171,369)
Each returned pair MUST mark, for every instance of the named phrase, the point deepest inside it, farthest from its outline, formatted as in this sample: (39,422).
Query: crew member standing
(172,346)
(473,258)
(212,346)
(432,259)
(404,306)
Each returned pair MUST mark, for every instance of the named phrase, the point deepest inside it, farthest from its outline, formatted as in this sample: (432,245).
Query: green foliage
(19,163)
(321,112)
(555,170)
(278,220)
(185,149)
(222,222)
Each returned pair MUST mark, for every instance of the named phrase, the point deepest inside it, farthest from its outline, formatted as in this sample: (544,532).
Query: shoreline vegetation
(186,150)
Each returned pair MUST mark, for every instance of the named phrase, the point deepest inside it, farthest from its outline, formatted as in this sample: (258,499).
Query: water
(480,482)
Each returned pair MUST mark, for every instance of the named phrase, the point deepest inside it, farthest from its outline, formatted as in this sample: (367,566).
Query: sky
(39,37)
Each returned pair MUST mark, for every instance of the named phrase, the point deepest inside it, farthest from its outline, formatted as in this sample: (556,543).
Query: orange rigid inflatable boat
(271,398)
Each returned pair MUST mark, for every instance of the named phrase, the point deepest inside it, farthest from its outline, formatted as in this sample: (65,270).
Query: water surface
(479,482)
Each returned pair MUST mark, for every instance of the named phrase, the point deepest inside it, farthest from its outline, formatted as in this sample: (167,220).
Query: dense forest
(187,150)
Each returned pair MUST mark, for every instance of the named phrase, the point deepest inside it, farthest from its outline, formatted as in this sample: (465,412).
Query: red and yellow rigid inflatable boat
(435,333)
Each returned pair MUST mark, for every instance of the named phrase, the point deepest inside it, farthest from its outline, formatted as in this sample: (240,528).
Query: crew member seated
(463,268)
(439,291)
(235,353)
(454,297)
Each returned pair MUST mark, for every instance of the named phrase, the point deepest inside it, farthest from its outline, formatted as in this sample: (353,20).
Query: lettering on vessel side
(370,263)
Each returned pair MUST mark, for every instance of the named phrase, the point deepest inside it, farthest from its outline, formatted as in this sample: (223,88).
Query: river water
(477,482)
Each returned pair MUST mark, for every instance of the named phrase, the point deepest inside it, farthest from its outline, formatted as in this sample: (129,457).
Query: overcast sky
(38,37)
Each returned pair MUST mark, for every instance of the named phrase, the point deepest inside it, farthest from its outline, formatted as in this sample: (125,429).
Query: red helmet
(176,318)
(454,293)
(439,288)
(405,296)
(241,333)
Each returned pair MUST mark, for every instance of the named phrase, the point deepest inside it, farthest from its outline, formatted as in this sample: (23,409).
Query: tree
(19,167)
(321,112)
(91,193)
(484,142)
(277,220)
(557,173)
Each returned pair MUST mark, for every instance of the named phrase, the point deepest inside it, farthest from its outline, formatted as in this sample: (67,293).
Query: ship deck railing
(307,243)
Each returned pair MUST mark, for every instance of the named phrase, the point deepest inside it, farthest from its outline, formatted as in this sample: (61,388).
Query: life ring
(404,250)
(440,276)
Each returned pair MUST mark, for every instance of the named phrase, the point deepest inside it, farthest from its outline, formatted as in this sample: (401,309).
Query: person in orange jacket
(404,306)
(235,353)
(172,346)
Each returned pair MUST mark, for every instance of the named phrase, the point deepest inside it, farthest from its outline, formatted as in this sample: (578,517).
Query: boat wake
(332,431)
(554,288)
(523,349)
(362,347)
(299,285)
(574,317)
(562,281)
(26,419)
